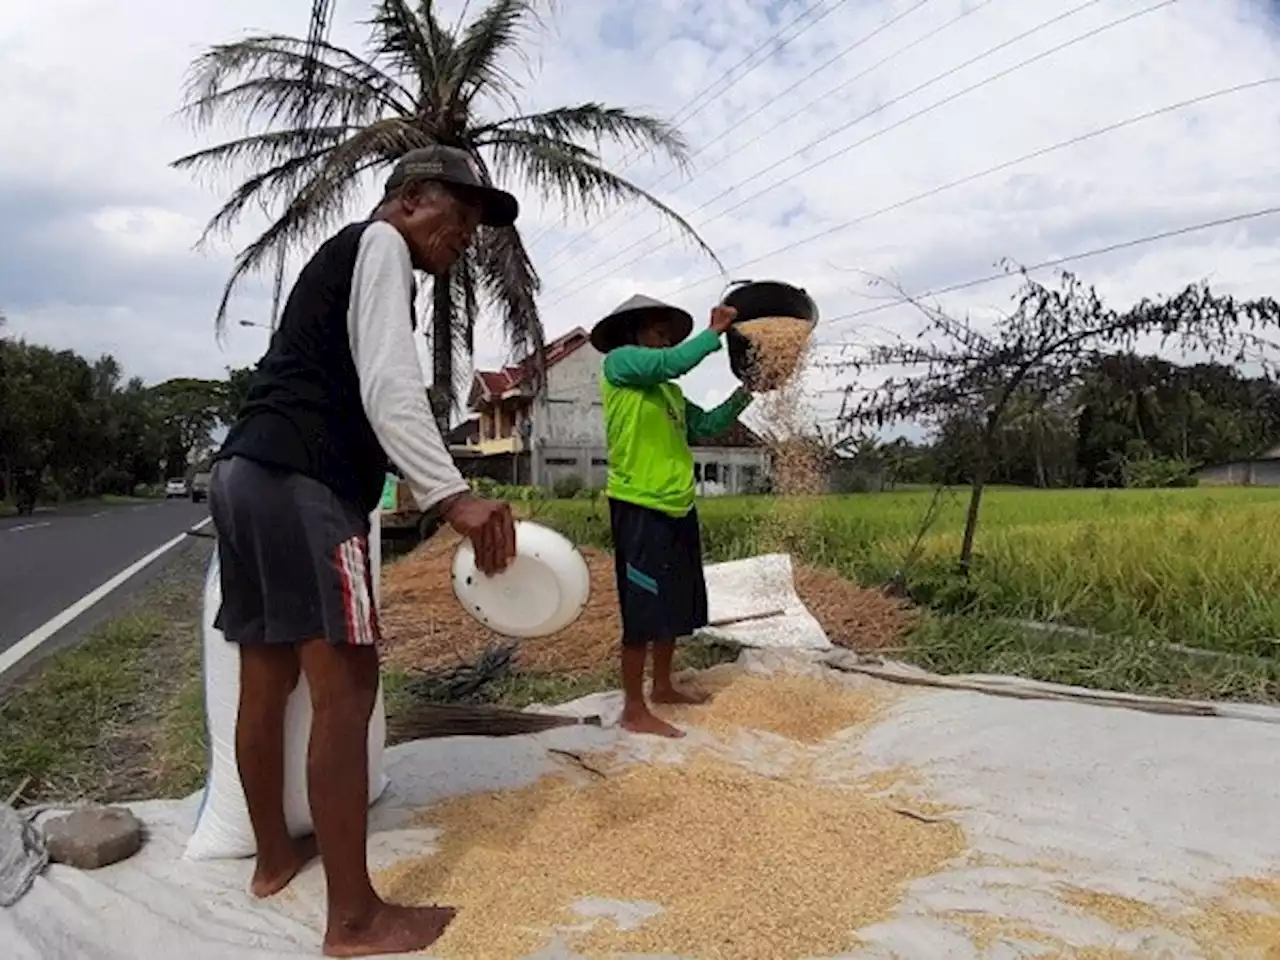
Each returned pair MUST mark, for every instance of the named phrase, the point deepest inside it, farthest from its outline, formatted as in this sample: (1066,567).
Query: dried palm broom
(423,721)
(450,703)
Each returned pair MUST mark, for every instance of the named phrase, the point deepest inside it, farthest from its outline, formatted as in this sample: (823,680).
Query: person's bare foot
(271,877)
(675,695)
(392,930)
(641,720)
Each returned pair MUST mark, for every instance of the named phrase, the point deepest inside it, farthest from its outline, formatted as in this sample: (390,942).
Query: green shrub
(568,488)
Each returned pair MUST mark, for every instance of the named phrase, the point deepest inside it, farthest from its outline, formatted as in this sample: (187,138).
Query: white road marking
(19,651)
(29,526)
(100,513)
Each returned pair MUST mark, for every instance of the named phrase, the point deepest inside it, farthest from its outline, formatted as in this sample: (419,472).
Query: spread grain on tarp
(744,866)
(1243,922)
(806,709)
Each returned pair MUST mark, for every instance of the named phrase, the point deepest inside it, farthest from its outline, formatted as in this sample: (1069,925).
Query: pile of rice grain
(745,866)
(424,626)
(806,709)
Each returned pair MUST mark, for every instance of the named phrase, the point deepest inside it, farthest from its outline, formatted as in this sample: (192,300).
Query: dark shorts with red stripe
(293,558)
(662,590)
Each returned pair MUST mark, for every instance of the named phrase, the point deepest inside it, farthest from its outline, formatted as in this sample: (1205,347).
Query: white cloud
(89,90)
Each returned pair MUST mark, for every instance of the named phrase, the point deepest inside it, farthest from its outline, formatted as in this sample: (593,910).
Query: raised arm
(702,424)
(379,328)
(648,366)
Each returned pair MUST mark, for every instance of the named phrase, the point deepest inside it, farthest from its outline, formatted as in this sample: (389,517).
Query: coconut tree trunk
(441,391)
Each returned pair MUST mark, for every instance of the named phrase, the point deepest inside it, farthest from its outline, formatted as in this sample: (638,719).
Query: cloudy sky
(829,136)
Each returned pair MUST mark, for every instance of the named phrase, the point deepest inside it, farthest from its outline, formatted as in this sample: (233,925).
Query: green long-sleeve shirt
(650,425)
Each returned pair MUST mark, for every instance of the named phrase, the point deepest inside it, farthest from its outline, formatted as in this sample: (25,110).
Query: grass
(1196,567)
(973,644)
(119,716)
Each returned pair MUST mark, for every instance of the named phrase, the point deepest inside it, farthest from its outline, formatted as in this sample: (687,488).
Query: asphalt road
(50,560)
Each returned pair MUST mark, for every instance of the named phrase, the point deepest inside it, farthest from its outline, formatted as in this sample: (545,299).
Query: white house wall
(570,411)
(1252,473)
(569,439)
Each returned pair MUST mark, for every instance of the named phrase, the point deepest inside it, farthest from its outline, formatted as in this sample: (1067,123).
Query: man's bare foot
(677,696)
(642,721)
(271,878)
(392,930)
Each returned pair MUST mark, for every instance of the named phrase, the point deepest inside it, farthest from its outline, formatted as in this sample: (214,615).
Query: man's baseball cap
(443,164)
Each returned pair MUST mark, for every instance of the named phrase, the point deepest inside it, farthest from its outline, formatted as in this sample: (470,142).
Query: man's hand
(722,318)
(489,526)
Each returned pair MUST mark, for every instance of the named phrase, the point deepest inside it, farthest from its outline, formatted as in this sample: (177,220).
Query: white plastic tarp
(1148,806)
(1049,792)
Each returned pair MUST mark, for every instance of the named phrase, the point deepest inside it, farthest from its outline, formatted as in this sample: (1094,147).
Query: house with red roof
(525,434)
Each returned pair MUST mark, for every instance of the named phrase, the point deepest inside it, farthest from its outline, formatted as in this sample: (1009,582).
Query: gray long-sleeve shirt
(380,330)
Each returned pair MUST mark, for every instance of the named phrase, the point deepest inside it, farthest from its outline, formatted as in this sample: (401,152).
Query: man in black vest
(337,393)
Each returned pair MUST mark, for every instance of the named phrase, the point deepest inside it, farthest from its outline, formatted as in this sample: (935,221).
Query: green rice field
(1198,567)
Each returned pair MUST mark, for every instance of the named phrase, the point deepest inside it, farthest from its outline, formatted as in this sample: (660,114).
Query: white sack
(222,825)
(760,587)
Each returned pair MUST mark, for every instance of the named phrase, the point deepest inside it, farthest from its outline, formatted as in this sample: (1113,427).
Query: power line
(899,123)
(681,114)
(1058,261)
(879,133)
(1033,155)
(729,128)
(681,117)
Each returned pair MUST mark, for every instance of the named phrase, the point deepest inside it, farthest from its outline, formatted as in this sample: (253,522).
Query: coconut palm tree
(323,120)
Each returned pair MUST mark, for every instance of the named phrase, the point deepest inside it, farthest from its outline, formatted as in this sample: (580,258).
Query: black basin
(756,299)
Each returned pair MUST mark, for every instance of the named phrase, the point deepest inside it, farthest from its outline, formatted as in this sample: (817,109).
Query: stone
(94,837)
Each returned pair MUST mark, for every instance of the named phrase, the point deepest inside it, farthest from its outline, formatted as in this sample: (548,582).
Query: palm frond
(510,284)
(265,188)
(269,101)
(333,179)
(266,77)
(596,123)
(497,32)
(409,43)
(563,171)
(264,149)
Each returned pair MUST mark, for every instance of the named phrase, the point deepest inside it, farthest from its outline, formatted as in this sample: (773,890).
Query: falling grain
(798,463)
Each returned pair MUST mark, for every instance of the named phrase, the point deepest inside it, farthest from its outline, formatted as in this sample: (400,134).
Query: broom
(423,721)
(450,703)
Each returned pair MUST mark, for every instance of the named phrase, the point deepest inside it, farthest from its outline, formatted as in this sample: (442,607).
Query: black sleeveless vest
(303,412)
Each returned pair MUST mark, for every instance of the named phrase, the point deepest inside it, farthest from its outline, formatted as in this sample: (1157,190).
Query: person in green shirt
(649,426)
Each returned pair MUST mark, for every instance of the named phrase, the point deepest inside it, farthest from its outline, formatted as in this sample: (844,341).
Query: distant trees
(71,427)
(1011,397)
